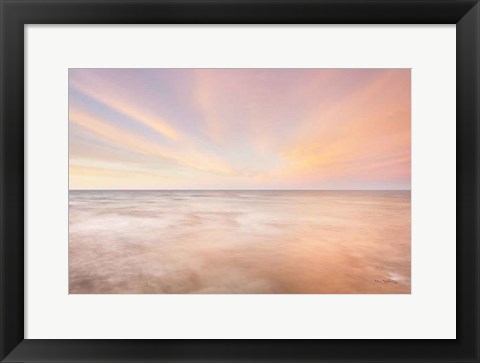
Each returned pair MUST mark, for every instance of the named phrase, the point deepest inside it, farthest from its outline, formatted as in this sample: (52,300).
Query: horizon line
(243,190)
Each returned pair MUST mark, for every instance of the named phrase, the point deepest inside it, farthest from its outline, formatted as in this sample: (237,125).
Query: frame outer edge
(11,170)
(468,180)
(11,178)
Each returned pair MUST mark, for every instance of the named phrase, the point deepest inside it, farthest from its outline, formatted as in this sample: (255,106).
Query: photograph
(239,181)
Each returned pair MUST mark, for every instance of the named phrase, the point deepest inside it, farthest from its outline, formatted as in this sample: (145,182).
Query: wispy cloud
(123,101)
(132,142)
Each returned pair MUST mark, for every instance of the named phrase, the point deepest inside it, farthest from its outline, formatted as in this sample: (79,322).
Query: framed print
(239,181)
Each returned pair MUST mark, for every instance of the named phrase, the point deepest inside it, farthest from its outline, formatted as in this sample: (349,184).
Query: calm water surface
(247,242)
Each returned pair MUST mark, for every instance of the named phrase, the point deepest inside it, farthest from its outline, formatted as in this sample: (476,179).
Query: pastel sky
(239,128)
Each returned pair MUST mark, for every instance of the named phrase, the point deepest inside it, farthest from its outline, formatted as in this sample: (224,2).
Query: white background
(429,312)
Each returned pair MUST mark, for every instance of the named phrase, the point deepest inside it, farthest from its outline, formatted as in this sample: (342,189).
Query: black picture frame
(15,14)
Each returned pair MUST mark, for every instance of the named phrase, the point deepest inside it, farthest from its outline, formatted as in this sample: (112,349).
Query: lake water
(244,242)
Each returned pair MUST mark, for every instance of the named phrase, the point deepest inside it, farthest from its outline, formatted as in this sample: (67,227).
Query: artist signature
(389,281)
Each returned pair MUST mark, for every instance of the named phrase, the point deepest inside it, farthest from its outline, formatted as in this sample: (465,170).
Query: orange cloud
(349,137)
